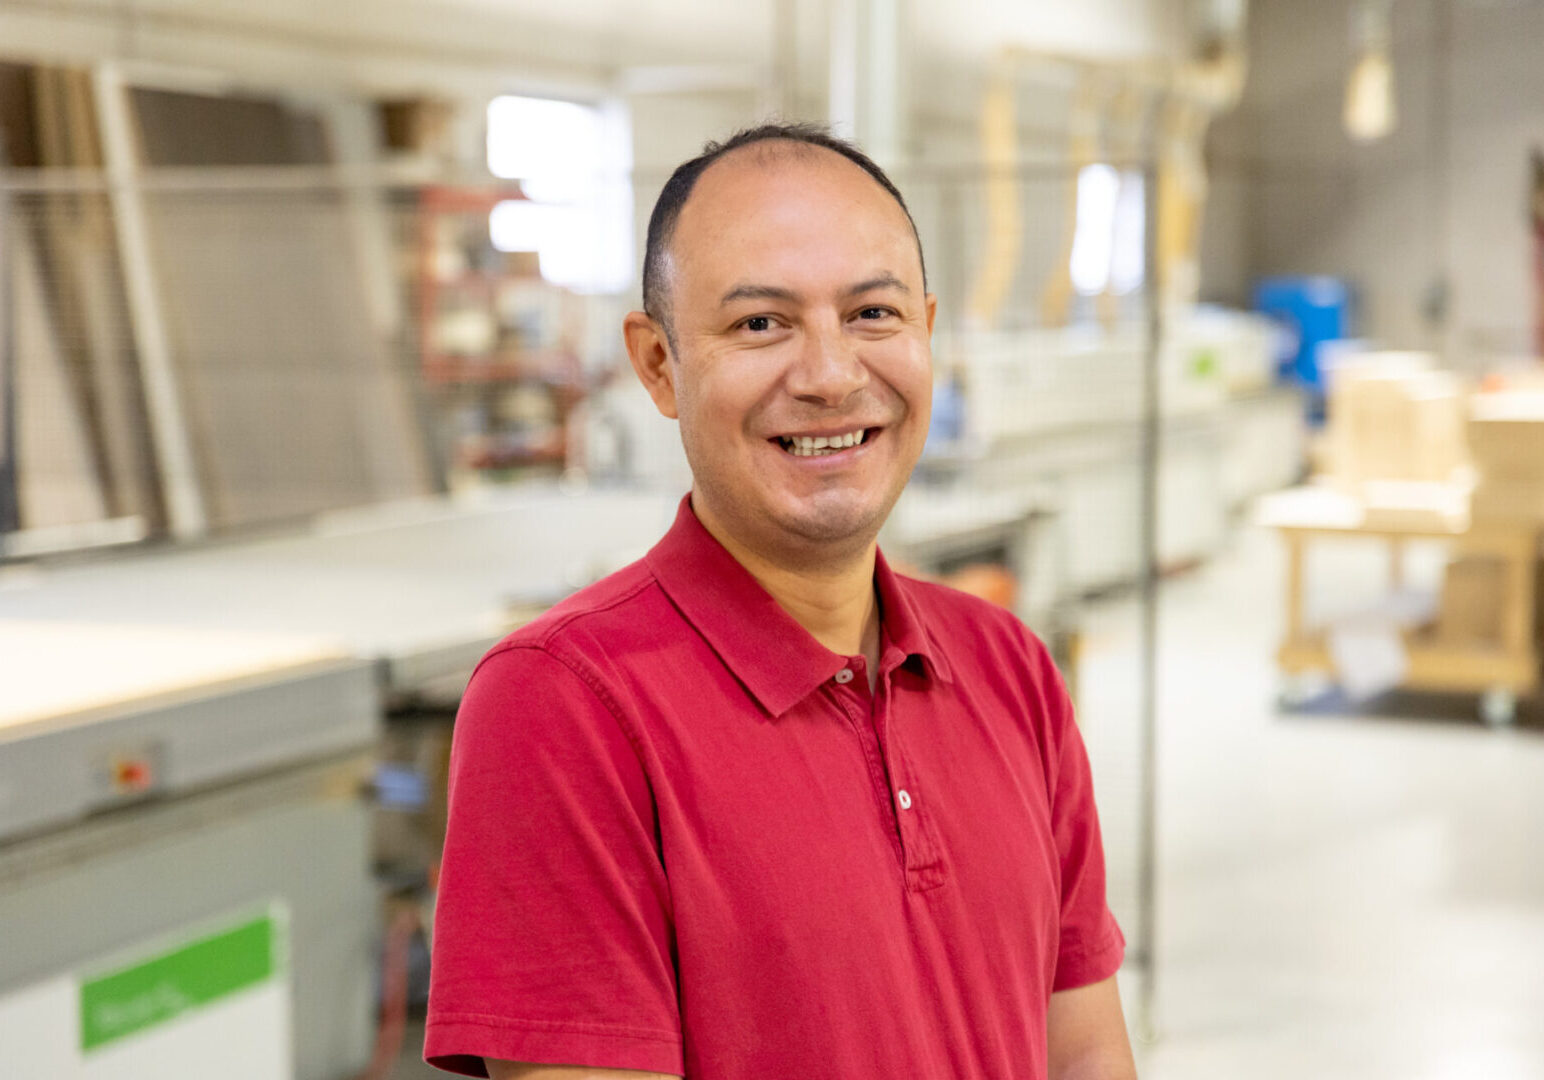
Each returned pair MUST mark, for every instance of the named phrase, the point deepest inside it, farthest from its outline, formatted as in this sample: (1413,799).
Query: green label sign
(168,985)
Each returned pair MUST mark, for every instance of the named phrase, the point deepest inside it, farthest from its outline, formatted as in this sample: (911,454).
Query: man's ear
(649,350)
(932,311)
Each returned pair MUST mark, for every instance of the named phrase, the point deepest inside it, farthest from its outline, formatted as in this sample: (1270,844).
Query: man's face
(802,375)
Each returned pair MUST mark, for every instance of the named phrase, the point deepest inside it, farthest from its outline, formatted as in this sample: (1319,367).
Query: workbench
(1500,671)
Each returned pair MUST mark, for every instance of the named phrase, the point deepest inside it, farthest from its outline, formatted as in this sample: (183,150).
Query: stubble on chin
(837,523)
(816,534)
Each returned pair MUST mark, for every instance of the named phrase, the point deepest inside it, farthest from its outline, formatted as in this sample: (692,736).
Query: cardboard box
(416,125)
(1506,436)
(1472,602)
(1507,500)
(1397,422)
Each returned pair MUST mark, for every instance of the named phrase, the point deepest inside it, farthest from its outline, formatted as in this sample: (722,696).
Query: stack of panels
(1506,436)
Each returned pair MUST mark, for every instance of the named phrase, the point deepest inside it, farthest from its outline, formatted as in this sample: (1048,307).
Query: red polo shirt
(685,838)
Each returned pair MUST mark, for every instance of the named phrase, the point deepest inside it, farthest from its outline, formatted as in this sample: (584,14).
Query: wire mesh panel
(80,439)
(295,401)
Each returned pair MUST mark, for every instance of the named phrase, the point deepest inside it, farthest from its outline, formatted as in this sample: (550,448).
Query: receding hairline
(773,149)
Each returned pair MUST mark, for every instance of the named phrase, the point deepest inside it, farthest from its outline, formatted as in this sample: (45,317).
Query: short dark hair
(667,208)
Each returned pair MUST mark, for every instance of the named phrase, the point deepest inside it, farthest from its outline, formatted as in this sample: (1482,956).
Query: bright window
(573,164)
(1107,245)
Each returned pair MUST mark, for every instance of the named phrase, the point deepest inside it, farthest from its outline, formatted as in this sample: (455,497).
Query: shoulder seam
(548,645)
(581,671)
(550,632)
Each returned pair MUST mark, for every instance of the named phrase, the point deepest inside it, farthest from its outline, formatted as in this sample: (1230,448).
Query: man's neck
(835,602)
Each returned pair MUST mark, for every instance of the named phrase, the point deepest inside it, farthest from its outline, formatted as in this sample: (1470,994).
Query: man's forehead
(780,176)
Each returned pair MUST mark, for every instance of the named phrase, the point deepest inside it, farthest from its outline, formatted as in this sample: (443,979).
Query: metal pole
(1147,883)
(883,106)
(843,61)
(1439,297)
(10,496)
(784,89)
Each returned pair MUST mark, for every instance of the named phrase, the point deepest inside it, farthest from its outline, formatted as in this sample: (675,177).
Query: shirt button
(844,676)
(904,798)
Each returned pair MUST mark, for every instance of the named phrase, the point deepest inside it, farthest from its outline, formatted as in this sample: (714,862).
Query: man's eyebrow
(884,280)
(757,292)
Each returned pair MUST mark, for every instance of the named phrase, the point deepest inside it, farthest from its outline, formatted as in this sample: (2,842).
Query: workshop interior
(313,387)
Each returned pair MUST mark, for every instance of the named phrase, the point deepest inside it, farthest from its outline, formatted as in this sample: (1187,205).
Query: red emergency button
(132,774)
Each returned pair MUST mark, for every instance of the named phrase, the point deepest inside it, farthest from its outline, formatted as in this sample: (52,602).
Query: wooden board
(1429,511)
(1433,665)
(61,671)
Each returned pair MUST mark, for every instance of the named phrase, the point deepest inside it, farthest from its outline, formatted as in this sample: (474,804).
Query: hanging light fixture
(1370,111)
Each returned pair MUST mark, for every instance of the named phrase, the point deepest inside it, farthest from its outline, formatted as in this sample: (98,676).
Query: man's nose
(827,370)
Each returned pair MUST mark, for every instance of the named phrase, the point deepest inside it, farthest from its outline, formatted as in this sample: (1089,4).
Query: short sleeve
(1091,946)
(552,931)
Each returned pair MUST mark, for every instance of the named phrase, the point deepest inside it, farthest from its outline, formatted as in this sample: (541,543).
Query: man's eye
(758,323)
(874,313)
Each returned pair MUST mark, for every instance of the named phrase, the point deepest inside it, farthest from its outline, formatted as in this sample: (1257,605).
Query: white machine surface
(96,716)
(421,589)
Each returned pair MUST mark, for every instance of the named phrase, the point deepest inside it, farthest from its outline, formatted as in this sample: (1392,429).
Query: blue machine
(1309,311)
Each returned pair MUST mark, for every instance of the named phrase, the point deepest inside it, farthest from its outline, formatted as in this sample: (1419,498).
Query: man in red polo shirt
(756,807)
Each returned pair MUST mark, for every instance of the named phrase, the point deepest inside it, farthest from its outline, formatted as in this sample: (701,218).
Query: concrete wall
(1430,224)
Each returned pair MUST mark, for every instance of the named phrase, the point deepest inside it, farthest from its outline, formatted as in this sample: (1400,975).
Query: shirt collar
(776,659)
(904,624)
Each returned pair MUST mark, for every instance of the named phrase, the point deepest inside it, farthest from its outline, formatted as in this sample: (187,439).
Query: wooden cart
(1501,671)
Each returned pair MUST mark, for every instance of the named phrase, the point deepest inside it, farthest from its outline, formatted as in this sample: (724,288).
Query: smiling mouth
(823,445)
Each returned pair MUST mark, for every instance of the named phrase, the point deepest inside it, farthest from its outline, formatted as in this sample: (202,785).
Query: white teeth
(817,445)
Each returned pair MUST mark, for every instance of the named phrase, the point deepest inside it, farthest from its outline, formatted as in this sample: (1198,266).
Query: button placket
(900,800)
(922,869)
(873,757)
(890,776)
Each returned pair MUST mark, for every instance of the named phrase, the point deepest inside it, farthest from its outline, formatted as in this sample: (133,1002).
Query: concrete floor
(1345,894)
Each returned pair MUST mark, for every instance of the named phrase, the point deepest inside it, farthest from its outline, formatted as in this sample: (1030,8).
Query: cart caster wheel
(1498,707)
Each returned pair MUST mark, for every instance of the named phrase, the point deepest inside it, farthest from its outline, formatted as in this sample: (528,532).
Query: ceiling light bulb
(1370,112)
